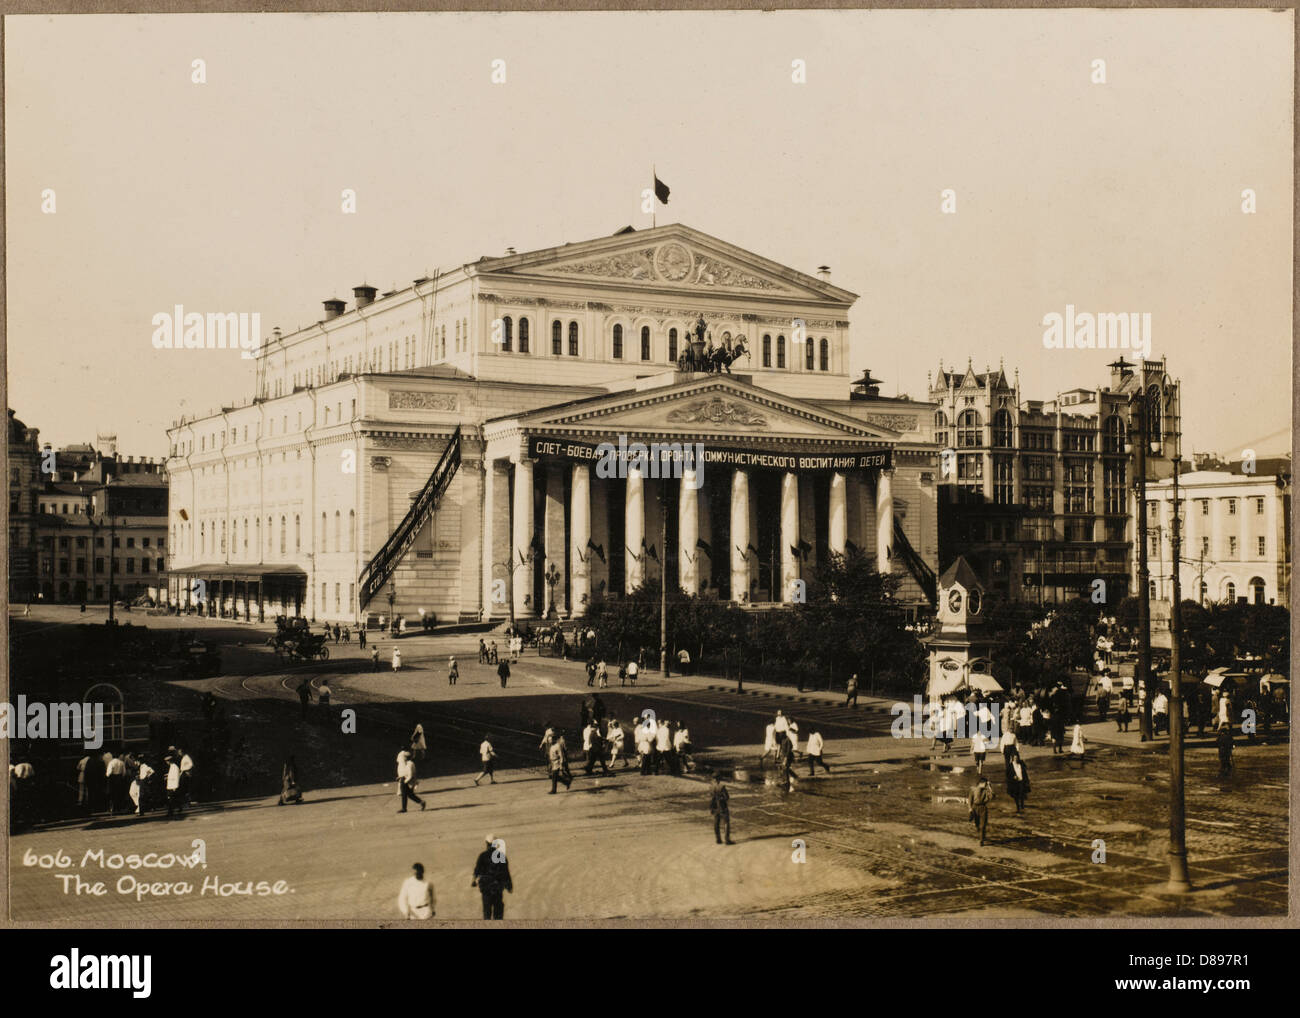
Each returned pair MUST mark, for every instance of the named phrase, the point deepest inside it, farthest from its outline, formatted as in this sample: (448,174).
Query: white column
(688,533)
(580,528)
(739,535)
(634,528)
(553,535)
(838,531)
(789,534)
(884,519)
(522,540)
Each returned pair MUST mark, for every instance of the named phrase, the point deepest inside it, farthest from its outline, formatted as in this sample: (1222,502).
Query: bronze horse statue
(715,359)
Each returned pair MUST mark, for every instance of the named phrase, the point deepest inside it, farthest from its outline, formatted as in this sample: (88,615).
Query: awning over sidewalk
(250,572)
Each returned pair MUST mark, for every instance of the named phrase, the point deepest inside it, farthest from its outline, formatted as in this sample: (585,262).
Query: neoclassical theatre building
(439,448)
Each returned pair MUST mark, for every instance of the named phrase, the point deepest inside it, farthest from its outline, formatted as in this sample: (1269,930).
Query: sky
(1122,196)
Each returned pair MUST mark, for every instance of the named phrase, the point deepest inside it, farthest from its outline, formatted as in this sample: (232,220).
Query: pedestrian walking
(558,765)
(548,737)
(338,633)
(632,669)
(780,725)
(173,785)
(614,737)
(289,790)
(482,651)
(785,763)
(324,695)
(979,747)
(492,878)
(1160,712)
(397,660)
(140,788)
(503,673)
(663,747)
(347,634)
(117,784)
(851,691)
(374,658)
(684,661)
(493,653)
(1225,746)
(487,755)
(1076,743)
(416,899)
(602,675)
(792,733)
(1017,779)
(1123,710)
(303,689)
(419,747)
(622,675)
(361,636)
(406,780)
(769,744)
(980,797)
(720,807)
(453,672)
(593,746)
(644,746)
(591,672)
(1007,743)
(83,792)
(681,750)
(186,765)
(816,750)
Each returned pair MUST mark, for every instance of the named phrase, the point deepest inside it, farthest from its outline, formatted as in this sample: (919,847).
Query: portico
(725,489)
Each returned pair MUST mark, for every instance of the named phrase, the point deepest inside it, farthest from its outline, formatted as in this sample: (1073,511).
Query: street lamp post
(1178,876)
(663,577)
(1139,447)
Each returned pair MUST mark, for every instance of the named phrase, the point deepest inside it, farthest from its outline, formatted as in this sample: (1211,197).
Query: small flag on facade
(703,546)
(661,190)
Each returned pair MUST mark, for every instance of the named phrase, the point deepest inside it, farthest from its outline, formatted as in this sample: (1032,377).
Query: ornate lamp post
(1178,876)
(1137,446)
(552,577)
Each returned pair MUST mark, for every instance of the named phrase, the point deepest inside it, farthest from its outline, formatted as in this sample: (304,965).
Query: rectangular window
(1232,546)
(130,565)
(144,565)
(1260,542)
(1205,507)
(1259,507)
(1078,485)
(130,542)
(1232,507)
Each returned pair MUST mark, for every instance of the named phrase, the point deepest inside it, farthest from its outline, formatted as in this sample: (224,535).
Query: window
(1257,590)
(1002,480)
(324,595)
(767,349)
(506,334)
(324,537)
(352,529)
(1205,507)
(809,353)
(968,430)
(672,346)
(144,565)
(1002,430)
(825,355)
(1232,546)
(1260,550)
(1205,546)
(338,532)
(99,565)
(1112,437)
(297,532)
(557,338)
(618,342)
(1259,507)
(523,335)
(1230,592)
(283,534)
(1078,485)
(645,342)
(970,467)
(1114,484)
(941,428)
(780,351)
(1153,413)
(1232,507)
(573,339)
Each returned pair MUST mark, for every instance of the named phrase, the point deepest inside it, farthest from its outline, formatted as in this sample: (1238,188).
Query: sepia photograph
(649,468)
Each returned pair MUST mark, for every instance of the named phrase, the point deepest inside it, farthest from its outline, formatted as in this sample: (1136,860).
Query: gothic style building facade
(439,448)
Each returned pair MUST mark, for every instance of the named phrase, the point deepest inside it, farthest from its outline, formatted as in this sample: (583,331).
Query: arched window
(557,338)
(507,328)
(672,346)
(523,335)
(1002,429)
(780,351)
(573,339)
(352,530)
(767,350)
(1230,592)
(1257,590)
(245,535)
(270,534)
(645,342)
(457,345)
(809,354)
(1152,401)
(968,430)
(338,531)
(283,534)
(1112,434)
(324,534)
(234,536)
(297,533)
(223,537)
(825,355)
(203,538)
(618,342)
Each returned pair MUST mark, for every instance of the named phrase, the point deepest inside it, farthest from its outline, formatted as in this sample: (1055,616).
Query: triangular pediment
(676,258)
(720,406)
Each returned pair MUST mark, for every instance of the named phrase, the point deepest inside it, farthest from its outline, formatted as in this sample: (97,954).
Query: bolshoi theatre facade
(531,431)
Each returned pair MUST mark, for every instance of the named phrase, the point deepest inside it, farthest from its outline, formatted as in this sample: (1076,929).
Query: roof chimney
(510,252)
(364,294)
(824,273)
(276,333)
(333,308)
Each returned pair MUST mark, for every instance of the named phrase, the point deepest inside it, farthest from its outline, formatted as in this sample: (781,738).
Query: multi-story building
(437,448)
(24,500)
(1236,534)
(1036,494)
(91,533)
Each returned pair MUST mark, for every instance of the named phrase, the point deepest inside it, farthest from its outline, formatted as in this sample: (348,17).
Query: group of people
(781,744)
(598,673)
(127,783)
(417,899)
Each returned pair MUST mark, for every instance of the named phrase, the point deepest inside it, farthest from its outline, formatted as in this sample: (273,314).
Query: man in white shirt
(406,780)
(187,777)
(632,669)
(663,746)
(173,784)
(591,746)
(614,735)
(816,747)
(487,754)
(416,900)
(1160,712)
(139,785)
(780,724)
(115,771)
